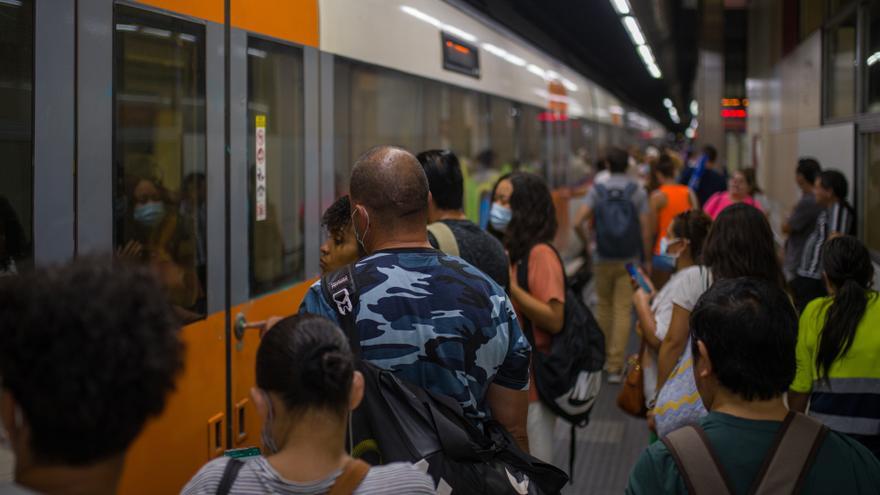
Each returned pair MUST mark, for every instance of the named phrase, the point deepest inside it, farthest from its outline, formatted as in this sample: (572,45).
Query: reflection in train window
(841,67)
(159,151)
(872,60)
(276,164)
(531,140)
(16,135)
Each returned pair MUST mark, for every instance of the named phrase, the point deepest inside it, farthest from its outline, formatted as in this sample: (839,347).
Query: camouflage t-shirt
(436,321)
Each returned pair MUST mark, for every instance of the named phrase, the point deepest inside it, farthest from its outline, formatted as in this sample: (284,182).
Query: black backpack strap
(340,293)
(791,457)
(697,463)
(522,278)
(230,472)
(630,190)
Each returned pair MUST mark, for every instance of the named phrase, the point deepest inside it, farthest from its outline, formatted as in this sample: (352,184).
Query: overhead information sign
(460,56)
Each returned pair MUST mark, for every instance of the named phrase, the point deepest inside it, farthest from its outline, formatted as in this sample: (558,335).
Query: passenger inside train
(439,246)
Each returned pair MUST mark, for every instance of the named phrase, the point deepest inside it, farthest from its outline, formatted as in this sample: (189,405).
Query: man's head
(88,352)
(807,171)
(711,153)
(743,332)
(664,168)
(389,197)
(618,160)
(340,247)
(444,180)
(831,186)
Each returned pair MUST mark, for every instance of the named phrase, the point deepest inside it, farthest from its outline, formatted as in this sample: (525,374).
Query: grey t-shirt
(802,222)
(257,476)
(479,248)
(619,181)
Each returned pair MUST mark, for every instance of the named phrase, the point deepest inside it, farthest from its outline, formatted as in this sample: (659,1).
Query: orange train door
(240,186)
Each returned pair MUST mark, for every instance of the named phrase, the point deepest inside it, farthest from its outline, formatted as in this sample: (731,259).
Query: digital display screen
(459,56)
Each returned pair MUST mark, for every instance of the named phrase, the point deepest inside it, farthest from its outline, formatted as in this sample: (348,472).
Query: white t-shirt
(692,286)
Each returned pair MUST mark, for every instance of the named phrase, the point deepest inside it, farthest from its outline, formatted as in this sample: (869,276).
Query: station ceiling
(589,37)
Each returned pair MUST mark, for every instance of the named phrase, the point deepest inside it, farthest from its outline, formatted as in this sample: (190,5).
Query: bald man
(432,319)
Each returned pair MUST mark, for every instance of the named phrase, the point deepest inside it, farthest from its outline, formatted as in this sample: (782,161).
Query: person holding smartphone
(683,246)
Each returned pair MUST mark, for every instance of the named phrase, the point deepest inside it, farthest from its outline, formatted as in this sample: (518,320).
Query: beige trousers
(614,310)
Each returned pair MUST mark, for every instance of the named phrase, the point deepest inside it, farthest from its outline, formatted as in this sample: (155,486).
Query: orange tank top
(677,201)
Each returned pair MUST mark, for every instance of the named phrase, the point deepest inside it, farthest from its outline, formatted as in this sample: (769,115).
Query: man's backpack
(569,378)
(398,421)
(784,469)
(618,230)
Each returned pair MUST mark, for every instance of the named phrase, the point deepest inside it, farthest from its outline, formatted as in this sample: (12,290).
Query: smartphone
(637,276)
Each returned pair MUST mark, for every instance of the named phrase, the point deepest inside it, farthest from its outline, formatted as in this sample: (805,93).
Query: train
(206,137)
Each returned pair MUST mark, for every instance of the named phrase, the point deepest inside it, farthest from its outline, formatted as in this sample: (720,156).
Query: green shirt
(842,466)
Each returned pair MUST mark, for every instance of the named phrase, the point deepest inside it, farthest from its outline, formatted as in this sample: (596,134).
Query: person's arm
(655,203)
(673,344)
(797,401)
(510,408)
(692,197)
(642,304)
(647,241)
(546,316)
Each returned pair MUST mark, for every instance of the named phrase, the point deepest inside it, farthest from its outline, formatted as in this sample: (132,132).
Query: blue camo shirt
(436,321)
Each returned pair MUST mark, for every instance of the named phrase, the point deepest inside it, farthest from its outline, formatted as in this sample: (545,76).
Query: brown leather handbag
(631,398)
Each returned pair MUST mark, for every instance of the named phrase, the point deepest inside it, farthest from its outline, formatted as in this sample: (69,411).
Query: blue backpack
(618,231)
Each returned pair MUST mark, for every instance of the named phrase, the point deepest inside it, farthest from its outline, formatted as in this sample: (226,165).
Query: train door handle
(241,325)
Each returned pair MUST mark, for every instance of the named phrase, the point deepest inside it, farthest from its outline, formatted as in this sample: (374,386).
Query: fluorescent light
(504,54)
(635,33)
(655,71)
(254,52)
(695,107)
(552,74)
(569,85)
(122,27)
(187,37)
(159,33)
(458,32)
(689,133)
(647,56)
(621,6)
(11,3)
(534,69)
(418,14)
(694,124)
(874,58)
(616,109)
(667,103)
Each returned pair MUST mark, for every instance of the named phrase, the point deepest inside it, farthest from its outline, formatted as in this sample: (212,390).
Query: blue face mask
(666,261)
(149,214)
(499,217)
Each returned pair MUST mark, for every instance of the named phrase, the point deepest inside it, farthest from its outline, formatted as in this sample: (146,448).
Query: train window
(872,61)
(502,130)
(531,140)
(841,67)
(16,135)
(871,193)
(159,151)
(276,164)
(372,113)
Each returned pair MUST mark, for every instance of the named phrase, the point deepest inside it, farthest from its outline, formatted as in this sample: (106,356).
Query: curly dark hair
(693,225)
(534,216)
(740,244)
(306,360)
(337,217)
(89,351)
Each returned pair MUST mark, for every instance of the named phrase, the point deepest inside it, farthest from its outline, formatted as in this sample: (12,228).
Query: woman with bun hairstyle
(838,347)
(306,388)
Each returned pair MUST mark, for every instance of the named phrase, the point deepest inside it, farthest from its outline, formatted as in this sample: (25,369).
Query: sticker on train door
(260,172)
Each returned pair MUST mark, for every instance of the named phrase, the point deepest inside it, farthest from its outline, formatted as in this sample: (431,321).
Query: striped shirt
(836,218)
(257,476)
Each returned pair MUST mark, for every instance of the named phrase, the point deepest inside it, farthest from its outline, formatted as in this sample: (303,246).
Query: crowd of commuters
(738,341)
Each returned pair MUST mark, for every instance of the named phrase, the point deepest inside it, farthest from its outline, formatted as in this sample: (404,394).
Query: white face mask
(360,238)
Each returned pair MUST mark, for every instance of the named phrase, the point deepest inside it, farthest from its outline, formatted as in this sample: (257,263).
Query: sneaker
(615,378)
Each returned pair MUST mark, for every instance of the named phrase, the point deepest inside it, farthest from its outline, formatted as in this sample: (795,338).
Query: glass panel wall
(276,165)
(159,151)
(16,135)
(872,60)
(841,69)
(871,193)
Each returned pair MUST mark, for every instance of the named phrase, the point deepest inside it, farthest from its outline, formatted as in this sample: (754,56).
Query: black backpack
(618,230)
(569,378)
(398,421)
